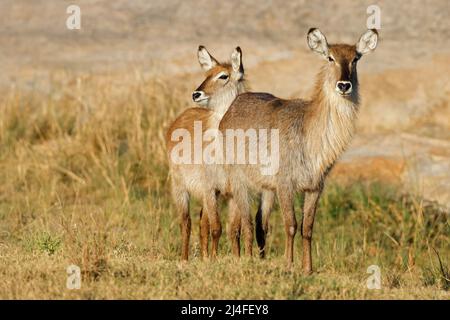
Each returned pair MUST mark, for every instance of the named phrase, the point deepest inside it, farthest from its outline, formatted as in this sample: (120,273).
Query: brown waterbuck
(312,135)
(191,176)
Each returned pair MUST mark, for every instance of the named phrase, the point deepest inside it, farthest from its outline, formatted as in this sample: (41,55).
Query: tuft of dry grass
(84,182)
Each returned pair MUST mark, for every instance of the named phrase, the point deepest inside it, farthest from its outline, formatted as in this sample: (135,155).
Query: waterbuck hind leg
(210,207)
(260,232)
(262,220)
(204,233)
(234,228)
(286,199)
(309,212)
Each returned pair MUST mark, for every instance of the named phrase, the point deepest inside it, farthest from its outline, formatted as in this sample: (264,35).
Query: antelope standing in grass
(223,83)
(312,135)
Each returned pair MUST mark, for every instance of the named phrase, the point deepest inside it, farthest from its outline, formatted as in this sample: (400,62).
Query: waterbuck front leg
(262,220)
(309,212)
(234,228)
(182,204)
(242,205)
(286,199)
(247,230)
(204,233)
(210,207)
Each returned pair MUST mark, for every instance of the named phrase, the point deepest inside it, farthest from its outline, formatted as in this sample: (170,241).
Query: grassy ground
(84,182)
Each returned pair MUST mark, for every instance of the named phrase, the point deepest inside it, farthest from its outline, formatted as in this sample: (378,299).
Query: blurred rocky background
(403,132)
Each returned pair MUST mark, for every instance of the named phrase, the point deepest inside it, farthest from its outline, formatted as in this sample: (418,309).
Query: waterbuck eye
(224,77)
(330,59)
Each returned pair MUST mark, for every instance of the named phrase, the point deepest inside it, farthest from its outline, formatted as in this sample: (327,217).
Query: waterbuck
(312,133)
(191,176)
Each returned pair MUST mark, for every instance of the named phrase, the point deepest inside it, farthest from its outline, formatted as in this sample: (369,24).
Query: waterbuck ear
(317,41)
(206,60)
(236,61)
(367,42)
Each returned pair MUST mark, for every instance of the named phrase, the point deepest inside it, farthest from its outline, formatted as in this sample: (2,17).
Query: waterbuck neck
(223,99)
(329,122)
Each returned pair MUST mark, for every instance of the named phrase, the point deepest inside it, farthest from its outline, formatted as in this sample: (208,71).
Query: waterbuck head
(223,83)
(340,72)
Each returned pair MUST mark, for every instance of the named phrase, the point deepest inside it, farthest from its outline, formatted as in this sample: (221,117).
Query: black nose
(196,95)
(344,86)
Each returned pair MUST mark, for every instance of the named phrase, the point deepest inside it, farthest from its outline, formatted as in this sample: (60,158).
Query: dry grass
(84,175)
